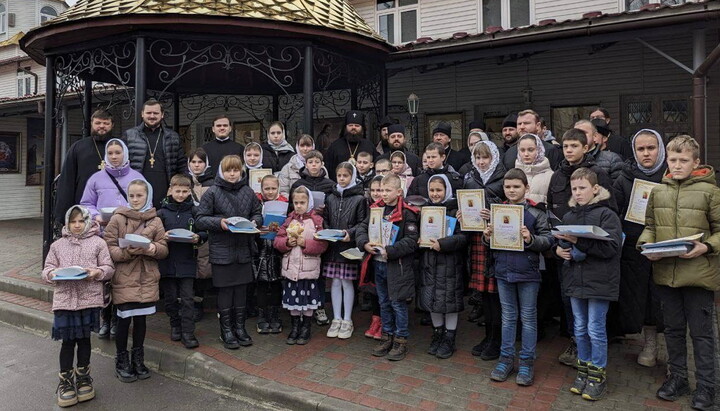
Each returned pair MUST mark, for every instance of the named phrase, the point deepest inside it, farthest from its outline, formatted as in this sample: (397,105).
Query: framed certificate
(375,226)
(256,177)
(639,197)
(470,203)
(433,225)
(507,221)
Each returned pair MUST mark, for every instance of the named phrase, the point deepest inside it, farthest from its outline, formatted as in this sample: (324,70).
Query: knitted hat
(444,128)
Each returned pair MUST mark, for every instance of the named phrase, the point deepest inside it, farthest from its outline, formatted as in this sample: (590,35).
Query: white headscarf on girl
(311,203)
(448,187)
(148,203)
(207,166)
(85,214)
(298,158)
(126,156)
(259,164)
(540,149)
(406,167)
(284,145)
(660,162)
(353,178)
(485,175)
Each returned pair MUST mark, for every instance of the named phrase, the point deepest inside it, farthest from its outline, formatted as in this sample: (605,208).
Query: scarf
(260,163)
(126,158)
(284,146)
(353,181)
(86,217)
(660,162)
(311,203)
(448,187)
(298,160)
(406,167)
(148,202)
(485,175)
(195,176)
(540,150)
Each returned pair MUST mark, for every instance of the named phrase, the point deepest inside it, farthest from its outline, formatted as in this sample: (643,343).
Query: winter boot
(447,345)
(491,351)
(503,369)
(386,344)
(581,379)
(66,392)
(226,332)
(526,372)
(673,388)
(263,325)
(304,335)
(703,398)
(275,321)
(123,369)
(477,349)
(104,332)
(596,383)
(374,327)
(240,332)
(189,340)
(83,383)
(137,355)
(113,324)
(294,330)
(648,355)
(437,337)
(476,313)
(173,311)
(399,349)
(569,356)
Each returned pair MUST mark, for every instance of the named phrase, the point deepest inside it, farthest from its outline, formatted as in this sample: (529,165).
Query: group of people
(600,288)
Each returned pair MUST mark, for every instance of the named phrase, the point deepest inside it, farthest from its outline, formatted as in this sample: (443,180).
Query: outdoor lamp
(413,104)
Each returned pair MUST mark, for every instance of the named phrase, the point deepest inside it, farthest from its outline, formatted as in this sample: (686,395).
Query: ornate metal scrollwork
(255,106)
(336,101)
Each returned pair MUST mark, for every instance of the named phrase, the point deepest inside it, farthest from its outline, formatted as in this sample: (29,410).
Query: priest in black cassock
(222,145)
(352,142)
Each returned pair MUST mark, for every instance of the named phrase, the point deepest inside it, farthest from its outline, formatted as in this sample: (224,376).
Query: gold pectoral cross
(102,165)
(152,161)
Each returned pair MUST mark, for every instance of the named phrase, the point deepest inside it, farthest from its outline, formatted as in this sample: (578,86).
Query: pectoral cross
(102,165)
(152,161)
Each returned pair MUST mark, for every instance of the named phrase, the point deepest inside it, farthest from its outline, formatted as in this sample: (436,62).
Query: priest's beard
(352,138)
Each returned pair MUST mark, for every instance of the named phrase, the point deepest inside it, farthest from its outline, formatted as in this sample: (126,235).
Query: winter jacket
(559,193)
(514,266)
(275,160)
(289,174)
(400,256)
(175,160)
(180,262)
(552,152)
(200,186)
(419,184)
(136,276)
(339,151)
(679,208)
(609,161)
(411,159)
(620,145)
(100,191)
(268,260)
(88,251)
(443,282)
(225,200)
(318,183)
(598,275)
(344,212)
(494,192)
(538,176)
(216,150)
(453,158)
(623,188)
(301,263)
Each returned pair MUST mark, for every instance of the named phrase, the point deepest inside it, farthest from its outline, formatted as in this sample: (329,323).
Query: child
(591,278)
(368,285)
(375,193)
(487,174)
(178,270)
(365,169)
(687,203)
(393,268)
(268,264)
(202,178)
(77,304)
(253,156)
(230,254)
(401,169)
(290,173)
(435,154)
(383,167)
(518,279)
(135,287)
(345,209)
(301,264)
(443,265)
(277,152)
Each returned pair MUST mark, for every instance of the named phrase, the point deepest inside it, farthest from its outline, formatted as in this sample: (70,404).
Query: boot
(294,330)
(66,393)
(242,335)
(491,351)
(569,356)
(447,345)
(226,333)
(104,331)
(189,340)
(198,312)
(437,338)
(703,398)
(304,336)
(113,324)
(137,355)
(386,343)
(83,382)
(648,355)
(275,321)
(503,369)
(673,388)
(477,349)
(581,379)
(263,326)
(175,333)
(366,304)
(596,383)
(526,372)
(475,314)
(399,349)
(173,311)
(123,369)
(374,326)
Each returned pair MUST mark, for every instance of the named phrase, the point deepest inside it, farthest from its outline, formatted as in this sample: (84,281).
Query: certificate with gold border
(470,203)
(375,226)
(433,225)
(256,176)
(507,221)
(639,197)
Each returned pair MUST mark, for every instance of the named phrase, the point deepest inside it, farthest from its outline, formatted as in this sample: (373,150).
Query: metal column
(383,94)
(176,113)
(140,80)
(50,145)
(308,91)
(87,108)
(699,96)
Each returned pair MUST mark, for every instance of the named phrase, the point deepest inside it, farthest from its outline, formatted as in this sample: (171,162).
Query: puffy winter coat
(539,176)
(559,192)
(225,200)
(289,174)
(344,212)
(419,184)
(443,283)
(609,161)
(136,277)
(100,191)
(200,186)
(301,263)
(679,209)
(181,261)
(175,160)
(494,192)
(318,183)
(275,160)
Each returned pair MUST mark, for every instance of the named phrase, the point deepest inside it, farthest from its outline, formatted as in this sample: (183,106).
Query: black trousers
(493,317)
(67,353)
(234,296)
(689,307)
(179,303)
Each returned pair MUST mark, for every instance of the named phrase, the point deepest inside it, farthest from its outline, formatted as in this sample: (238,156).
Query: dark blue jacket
(181,261)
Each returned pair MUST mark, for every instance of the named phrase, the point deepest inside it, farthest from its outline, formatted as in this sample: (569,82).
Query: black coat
(453,158)
(344,212)
(320,183)
(216,150)
(442,285)
(412,160)
(273,159)
(559,192)
(552,152)
(419,184)
(181,260)
(494,192)
(620,145)
(339,151)
(598,276)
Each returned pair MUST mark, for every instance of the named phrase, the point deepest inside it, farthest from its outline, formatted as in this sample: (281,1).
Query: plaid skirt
(73,325)
(479,266)
(343,271)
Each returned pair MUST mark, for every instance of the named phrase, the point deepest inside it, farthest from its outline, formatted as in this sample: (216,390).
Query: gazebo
(283,57)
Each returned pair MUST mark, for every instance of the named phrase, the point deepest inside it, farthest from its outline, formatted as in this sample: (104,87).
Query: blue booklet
(451,223)
(273,222)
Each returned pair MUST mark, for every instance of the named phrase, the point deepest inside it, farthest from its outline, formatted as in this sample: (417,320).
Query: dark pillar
(50,145)
(308,91)
(353,98)
(276,107)
(383,93)
(140,80)
(176,113)
(87,107)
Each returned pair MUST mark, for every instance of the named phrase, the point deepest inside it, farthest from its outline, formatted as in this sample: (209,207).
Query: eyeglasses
(382,171)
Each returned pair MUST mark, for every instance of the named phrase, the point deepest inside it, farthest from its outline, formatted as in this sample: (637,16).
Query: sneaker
(399,349)
(503,369)
(703,398)
(334,329)
(569,356)
(320,317)
(66,393)
(346,330)
(596,384)
(83,383)
(673,388)
(581,379)
(526,373)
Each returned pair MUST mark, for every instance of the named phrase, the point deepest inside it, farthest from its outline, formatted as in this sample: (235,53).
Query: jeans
(590,332)
(691,307)
(520,297)
(394,314)
(181,313)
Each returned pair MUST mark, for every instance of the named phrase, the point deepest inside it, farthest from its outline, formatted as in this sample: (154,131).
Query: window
(397,20)
(25,82)
(631,5)
(47,13)
(505,13)
(3,18)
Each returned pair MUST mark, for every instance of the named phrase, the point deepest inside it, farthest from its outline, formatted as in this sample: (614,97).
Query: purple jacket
(100,191)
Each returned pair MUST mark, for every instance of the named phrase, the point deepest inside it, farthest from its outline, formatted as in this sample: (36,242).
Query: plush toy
(295,229)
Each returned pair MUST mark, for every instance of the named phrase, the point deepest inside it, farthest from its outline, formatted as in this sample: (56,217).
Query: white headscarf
(284,145)
(311,203)
(85,213)
(540,149)
(485,175)
(406,167)
(207,167)
(353,179)
(259,164)
(148,202)
(126,157)
(448,187)
(298,158)
(660,162)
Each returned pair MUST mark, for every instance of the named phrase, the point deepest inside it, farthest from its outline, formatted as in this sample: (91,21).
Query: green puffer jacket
(682,208)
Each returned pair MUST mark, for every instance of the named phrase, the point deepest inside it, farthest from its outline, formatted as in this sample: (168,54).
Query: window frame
(395,11)
(24,77)
(3,18)
(47,17)
(505,17)
(622,8)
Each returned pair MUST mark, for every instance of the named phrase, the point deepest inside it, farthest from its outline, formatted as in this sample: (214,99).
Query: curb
(26,289)
(191,366)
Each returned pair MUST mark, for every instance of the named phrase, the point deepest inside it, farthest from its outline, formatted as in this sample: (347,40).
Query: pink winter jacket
(300,263)
(87,251)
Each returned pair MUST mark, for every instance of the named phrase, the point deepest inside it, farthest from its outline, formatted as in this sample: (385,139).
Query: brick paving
(344,369)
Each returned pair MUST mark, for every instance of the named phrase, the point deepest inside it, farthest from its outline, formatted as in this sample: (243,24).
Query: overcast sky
(70,2)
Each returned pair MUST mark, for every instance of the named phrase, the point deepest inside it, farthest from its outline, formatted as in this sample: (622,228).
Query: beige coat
(538,176)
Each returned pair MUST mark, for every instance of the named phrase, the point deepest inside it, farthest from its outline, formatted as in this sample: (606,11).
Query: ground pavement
(332,373)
